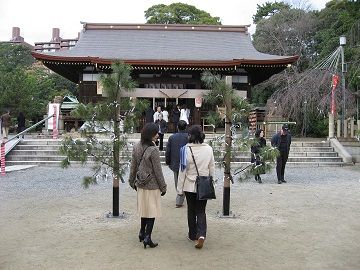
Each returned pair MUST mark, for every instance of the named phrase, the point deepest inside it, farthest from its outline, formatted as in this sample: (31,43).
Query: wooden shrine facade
(167,60)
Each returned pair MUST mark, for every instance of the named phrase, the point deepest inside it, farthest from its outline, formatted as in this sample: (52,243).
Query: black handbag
(204,184)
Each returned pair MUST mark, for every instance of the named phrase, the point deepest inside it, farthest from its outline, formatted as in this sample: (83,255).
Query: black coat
(276,141)
(175,116)
(256,148)
(162,125)
(149,115)
(172,153)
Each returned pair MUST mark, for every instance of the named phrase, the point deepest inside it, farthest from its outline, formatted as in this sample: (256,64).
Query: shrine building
(167,60)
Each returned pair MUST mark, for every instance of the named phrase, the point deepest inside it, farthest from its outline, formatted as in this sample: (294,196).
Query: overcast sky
(37,18)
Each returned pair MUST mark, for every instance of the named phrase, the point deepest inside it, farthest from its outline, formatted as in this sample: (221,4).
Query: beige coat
(204,157)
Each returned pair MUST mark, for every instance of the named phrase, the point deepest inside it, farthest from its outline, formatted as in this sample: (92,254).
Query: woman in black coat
(260,142)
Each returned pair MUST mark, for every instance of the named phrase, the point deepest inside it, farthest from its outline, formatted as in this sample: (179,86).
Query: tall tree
(222,94)
(25,85)
(179,13)
(267,9)
(110,158)
(288,31)
(14,56)
(314,36)
(341,18)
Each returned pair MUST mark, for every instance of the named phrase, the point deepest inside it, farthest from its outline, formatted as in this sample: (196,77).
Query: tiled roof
(165,43)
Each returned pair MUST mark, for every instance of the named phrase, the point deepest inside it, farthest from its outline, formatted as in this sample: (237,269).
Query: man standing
(156,114)
(172,155)
(5,124)
(282,141)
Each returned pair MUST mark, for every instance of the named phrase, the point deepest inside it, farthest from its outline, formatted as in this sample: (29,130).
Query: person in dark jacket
(172,155)
(282,141)
(149,113)
(162,125)
(21,123)
(176,116)
(147,179)
(260,142)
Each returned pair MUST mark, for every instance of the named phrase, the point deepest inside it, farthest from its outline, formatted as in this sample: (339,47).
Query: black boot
(259,179)
(149,227)
(149,242)
(142,229)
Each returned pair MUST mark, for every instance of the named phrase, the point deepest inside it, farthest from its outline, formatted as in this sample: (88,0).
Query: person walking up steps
(204,158)
(172,155)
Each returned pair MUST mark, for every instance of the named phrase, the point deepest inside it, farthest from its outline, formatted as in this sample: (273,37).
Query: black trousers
(280,165)
(196,216)
(161,139)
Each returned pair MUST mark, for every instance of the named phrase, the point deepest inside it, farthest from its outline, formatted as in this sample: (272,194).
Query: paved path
(48,221)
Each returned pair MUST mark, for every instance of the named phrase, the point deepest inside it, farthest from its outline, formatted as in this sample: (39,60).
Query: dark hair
(196,134)
(182,125)
(148,132)
(257,133)
(285,127)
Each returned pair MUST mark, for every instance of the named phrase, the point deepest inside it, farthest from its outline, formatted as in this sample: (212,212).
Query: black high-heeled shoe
(141,236)
(149,242)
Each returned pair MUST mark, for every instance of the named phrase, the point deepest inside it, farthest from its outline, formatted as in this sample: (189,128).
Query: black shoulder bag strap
(142,156)
(194,161)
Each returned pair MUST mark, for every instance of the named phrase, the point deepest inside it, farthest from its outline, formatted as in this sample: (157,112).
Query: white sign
(53,107)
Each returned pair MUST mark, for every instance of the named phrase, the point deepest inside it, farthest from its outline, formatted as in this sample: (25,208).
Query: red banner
(335,81)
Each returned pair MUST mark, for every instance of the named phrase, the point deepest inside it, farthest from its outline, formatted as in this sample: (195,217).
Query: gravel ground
(48,221)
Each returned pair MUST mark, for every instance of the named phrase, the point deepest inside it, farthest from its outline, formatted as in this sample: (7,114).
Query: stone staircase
(353,147)
(45,152)
(42,152)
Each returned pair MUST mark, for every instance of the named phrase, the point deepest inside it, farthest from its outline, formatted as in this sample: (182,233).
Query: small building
(167,60)
(67,121)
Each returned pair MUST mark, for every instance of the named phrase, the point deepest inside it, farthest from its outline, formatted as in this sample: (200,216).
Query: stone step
(313,154)
(37,147)
(41,152)
(33,157)
(234,164)
(41,142)
(162,158)
(311,149)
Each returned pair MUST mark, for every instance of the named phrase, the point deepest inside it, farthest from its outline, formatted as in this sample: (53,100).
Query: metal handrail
(29,128)
(279,122)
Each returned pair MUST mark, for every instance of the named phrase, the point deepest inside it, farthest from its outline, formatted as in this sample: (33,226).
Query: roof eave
(156,62)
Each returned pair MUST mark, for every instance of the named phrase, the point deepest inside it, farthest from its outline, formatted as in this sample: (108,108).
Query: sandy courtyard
(48,221)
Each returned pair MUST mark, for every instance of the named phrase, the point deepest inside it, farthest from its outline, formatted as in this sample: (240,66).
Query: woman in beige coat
(147,179)
(204,158)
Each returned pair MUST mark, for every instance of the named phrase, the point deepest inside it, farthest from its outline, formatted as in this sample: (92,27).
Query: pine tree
(109,154)
(236,138)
